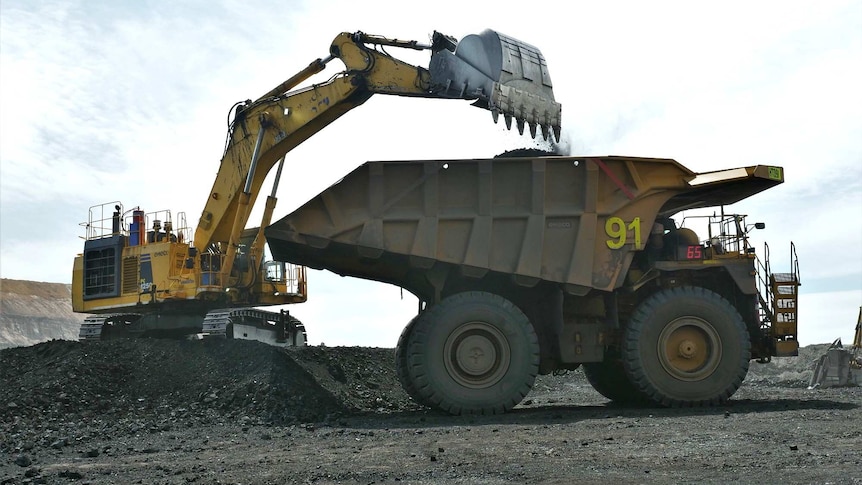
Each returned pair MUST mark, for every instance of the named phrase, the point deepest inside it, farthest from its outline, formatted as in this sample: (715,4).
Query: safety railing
(111,219)
(103,220)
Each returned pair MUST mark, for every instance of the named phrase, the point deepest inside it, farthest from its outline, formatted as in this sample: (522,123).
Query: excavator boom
(500,74)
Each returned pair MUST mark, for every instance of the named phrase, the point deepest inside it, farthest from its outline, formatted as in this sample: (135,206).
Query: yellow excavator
(840,366)
(144,273)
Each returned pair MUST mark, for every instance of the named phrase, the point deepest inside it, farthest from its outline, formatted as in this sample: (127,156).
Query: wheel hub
(689,348)
(477,355)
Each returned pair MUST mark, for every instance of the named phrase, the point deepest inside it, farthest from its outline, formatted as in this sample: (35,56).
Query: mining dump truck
(539,264)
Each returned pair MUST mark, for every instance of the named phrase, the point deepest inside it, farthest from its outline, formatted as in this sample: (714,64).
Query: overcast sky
(128,100)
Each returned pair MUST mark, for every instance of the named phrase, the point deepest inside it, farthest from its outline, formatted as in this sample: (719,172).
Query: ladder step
(785,278)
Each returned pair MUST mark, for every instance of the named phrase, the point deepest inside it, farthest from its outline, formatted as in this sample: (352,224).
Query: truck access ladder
(779,303)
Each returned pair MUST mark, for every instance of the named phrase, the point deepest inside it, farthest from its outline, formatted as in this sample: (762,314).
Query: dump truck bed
(575,221)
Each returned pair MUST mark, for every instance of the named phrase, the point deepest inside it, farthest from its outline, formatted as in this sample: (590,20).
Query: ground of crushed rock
(223,411)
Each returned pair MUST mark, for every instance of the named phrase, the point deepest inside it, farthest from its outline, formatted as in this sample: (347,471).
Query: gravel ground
(218,411)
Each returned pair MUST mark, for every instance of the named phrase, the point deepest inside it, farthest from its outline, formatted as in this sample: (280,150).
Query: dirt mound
(217,379)
(188,382)
(527,152)
(787,371)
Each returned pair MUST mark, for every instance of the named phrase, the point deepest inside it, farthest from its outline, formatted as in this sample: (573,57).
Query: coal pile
(66,390)
(53,390)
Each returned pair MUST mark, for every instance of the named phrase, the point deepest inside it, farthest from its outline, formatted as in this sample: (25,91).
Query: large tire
(401,364)
(473,353)
(686,346)
(609,379)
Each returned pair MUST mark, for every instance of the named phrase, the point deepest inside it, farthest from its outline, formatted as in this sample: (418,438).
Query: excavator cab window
(275,271)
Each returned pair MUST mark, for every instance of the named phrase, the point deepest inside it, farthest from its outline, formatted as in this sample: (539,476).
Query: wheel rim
(476,355)
(689,348)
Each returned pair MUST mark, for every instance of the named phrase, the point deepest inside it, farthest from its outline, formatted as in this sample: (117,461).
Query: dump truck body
(577,244)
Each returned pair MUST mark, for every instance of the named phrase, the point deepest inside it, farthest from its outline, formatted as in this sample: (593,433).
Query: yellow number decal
(775,173)
(617,229)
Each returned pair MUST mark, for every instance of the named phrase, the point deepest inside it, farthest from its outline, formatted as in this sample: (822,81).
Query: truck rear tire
(473,353)
(401,364)
(609,379)
(686,346)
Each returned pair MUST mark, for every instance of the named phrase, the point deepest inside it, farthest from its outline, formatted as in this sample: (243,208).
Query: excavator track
(274,328)
(280,329)
(94,326)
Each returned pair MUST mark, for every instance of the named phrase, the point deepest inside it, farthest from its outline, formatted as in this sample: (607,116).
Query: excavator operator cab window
(275,271)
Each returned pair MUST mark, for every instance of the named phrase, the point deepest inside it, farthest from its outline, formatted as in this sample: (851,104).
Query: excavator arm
(502,75)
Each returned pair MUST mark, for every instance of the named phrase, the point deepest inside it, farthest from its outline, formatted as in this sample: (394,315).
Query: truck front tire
(686,346)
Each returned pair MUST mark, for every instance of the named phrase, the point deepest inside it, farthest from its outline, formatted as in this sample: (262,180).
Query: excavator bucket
(504,75)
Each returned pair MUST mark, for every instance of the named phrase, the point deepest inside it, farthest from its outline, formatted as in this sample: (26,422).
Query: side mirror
(760,225)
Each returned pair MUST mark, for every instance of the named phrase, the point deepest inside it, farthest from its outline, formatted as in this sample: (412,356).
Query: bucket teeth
(527,108)
(495,114)
(520,123)
(508,119)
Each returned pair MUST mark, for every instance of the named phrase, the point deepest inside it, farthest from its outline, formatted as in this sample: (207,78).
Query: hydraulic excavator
(143,273)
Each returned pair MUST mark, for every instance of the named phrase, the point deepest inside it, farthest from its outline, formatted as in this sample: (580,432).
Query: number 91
(617,229)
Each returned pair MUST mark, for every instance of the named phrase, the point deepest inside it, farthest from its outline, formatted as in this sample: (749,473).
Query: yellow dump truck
(534,264)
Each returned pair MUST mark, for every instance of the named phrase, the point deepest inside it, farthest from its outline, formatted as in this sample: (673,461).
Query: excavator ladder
(779,303)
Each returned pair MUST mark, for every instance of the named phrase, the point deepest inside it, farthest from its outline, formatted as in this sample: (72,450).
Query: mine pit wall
(34,311)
